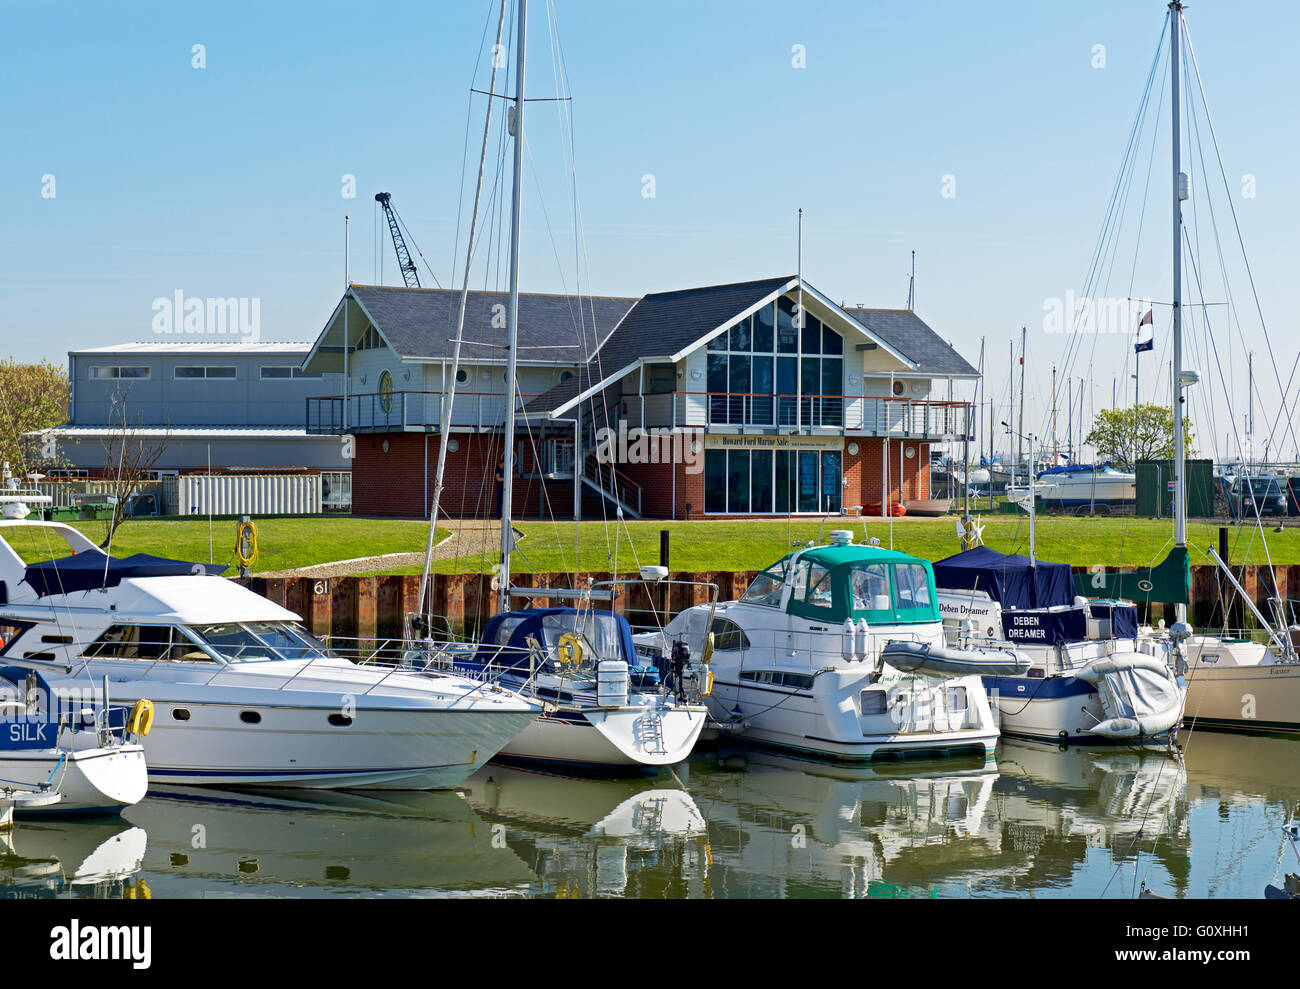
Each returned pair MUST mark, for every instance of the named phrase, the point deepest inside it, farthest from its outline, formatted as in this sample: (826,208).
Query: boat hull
(1060,709)
(602,738)
(1258,700)
(416,749)
(89,781)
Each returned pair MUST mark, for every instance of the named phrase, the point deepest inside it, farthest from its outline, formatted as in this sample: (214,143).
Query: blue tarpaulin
(91,569)
(1009,579)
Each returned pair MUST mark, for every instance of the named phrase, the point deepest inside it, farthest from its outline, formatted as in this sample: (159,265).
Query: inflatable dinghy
(945,661)
(1139,696)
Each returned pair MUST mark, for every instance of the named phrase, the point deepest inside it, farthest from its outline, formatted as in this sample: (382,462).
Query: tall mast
(512,313)
(1180,500)
(1020,424)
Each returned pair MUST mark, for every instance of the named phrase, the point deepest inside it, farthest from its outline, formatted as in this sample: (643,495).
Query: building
(708,402)
(237,407)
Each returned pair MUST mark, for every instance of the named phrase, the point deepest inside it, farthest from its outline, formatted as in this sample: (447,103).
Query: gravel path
(472,537)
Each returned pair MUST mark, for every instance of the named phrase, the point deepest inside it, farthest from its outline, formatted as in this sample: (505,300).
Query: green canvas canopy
(1168,582)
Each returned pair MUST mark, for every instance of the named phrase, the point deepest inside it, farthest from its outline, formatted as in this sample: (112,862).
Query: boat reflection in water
(590,837)
(1055,809)
(86,857)
(291,843)
(781,826)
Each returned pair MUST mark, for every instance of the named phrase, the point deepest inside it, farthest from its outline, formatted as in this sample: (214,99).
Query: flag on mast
(1149,343)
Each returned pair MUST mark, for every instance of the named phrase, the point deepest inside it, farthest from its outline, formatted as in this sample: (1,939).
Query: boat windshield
(765,589)
(598,633)
(243,642)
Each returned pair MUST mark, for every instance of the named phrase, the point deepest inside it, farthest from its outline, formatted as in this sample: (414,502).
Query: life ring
(245,535)
(140,720)
(569,649)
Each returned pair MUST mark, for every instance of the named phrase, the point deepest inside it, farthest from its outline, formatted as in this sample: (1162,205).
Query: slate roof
(907,333)
(420,323)
(661,325)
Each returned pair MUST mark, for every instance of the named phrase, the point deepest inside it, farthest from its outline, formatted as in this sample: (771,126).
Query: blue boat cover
(1009,579)
(1072,469)
(528,622)
(1045,627)
(90,569)
(1123,618)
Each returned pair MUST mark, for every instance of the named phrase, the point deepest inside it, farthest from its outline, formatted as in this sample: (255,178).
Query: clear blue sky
(225,181)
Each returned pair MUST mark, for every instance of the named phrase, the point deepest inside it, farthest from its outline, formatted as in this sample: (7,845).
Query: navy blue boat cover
(90,569)
(527,622)
(1009,579)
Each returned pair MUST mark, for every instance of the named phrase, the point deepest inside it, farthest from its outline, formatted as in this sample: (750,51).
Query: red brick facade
(396,482)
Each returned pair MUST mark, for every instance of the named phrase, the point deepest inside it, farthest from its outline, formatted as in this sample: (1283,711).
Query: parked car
(1267,495)
(140,505)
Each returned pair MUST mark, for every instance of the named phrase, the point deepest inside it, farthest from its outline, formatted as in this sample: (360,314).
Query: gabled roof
(661,325)
(907,333)
(420,323)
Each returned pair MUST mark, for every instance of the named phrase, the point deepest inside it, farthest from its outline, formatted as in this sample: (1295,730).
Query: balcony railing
(375,412)
(877,416)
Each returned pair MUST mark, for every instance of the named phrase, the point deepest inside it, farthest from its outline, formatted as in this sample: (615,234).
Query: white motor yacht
(243,693)
(838,651)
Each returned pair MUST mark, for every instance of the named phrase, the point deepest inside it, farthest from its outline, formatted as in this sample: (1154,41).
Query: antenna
(911,286)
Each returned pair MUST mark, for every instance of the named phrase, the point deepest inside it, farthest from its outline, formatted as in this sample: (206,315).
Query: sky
(985,137)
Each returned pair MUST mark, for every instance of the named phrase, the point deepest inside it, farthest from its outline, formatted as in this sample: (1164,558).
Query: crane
(409,274)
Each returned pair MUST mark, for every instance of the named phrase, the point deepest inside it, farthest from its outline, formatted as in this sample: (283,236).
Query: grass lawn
(705,545)
(283,543)
(287,543)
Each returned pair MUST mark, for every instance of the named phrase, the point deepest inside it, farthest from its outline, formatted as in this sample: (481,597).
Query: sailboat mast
(1180,500)
(512,312)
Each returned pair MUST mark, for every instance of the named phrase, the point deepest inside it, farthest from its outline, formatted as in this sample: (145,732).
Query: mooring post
(663,562)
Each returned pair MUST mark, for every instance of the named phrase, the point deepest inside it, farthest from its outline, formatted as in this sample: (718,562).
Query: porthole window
(898,388)
(462,376)
(250,717)
(340,720)
(566,375)
(180,714)
(385,391)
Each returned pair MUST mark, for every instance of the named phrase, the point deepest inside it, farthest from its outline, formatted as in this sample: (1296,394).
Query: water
(1037,821)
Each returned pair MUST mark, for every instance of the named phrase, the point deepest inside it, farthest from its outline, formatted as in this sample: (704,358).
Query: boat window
(728,636)
(869,583)
(158,643)
(506,628)
(765,589)
(241,642)
(872,702)
(956,698)
(912,586)
(818,581)
(598,633)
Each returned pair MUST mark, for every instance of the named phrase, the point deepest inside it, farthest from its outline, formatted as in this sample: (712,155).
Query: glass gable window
(760,366)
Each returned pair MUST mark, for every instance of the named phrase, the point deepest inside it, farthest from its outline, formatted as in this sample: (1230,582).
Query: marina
(610,548)
(1036,821)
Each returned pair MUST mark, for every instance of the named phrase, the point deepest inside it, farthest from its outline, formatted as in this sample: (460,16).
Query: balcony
(405,411)
(830,414)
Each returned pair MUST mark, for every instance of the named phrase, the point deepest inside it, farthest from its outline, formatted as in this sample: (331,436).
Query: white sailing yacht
(603,710)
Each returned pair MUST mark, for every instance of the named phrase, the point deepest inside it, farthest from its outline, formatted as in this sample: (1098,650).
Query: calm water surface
(1037,821)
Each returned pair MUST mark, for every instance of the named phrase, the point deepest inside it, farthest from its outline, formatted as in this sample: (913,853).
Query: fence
(371,609)
(242,494)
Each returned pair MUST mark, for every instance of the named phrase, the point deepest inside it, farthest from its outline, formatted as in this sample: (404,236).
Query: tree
(33,397)
(128,458)
(1149,429)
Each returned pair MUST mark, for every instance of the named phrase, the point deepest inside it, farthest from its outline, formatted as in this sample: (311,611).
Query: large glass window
(715,481)
(763,482)
(754,377)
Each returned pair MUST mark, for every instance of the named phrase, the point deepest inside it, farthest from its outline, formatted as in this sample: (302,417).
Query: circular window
(386,391)
(462,376)
(566,375)
(909,452)
(898,388)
